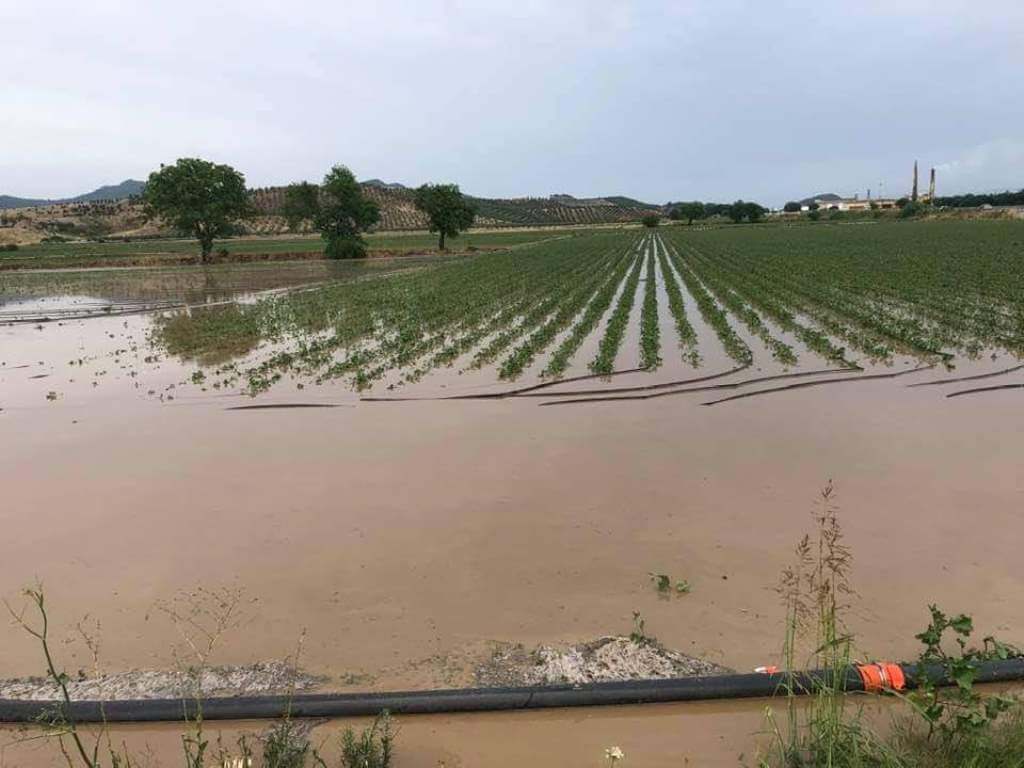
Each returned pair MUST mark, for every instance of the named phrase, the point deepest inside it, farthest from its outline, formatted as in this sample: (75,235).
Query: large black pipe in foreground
(473,699)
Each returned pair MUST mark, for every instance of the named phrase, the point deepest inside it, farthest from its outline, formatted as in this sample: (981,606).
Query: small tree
(301,203)
(911,209)
(688,211)
(791,207)
(650,220)
(198,197)
(342,213)
(814,206)
(448,211)
(742,211)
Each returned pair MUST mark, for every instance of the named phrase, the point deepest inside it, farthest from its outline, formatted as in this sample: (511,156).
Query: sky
(691,99)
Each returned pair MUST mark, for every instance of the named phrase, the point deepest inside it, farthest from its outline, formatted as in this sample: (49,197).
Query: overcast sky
(708,99)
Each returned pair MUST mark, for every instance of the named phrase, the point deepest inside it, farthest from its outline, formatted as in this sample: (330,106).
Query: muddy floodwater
(407,540)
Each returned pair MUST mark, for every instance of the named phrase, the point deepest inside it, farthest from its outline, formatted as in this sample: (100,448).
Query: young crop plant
(570,308)
(549,297)
(587,323)
(650,337)
(735,304)
(604,362)
(687,336)
(713,315)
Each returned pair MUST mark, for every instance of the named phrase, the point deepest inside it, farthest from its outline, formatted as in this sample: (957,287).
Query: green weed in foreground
(945,727)
(203,618)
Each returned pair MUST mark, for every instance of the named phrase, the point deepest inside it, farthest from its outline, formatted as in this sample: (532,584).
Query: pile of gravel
(604,659)
(249,680)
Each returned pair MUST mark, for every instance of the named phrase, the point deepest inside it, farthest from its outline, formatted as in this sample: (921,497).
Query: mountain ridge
(126,189)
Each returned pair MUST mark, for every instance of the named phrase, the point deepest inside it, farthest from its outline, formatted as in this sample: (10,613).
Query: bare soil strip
(804,384)
(734,385)
(976,377)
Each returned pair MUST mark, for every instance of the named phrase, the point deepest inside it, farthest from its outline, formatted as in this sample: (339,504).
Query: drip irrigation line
(270,406)
(92,315)
(803,384)
(1002,372)
(507,392)
(621,692)
(978,390)
(644,387)
(710,388)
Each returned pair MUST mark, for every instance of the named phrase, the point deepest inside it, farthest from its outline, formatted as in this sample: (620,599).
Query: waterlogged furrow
(832,318)
(552,294)
(604,362)
(735,304)
(843,272)
(595,310)
(650,336)
(409,355)
(569,308)
(684,330)
(772,293)
(755,294)
(381,323)
(713,315)
(523,297)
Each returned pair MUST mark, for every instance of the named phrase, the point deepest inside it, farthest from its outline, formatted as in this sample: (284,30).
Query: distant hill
(111,212)
(398,210)
(127,188)
(829,196)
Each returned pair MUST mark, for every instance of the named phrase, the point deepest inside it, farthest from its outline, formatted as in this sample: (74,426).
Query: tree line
(739,211)
(207,200)
(974,201)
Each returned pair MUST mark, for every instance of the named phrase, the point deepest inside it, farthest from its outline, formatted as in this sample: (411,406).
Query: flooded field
(416,476)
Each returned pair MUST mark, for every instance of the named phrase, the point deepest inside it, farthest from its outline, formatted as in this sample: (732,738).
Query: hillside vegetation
(125,218)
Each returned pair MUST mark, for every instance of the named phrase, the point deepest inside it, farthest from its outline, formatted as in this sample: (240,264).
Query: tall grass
(932,729)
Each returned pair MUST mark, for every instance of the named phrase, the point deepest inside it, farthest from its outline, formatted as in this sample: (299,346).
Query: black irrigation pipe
(507,392)
(711,388)
(90,315)
(978,390)
(718,687)
(273,406)
(643,387)
(992,375)
(821,382)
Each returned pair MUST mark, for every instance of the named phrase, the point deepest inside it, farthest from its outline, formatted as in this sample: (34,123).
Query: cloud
(994,166)
(659,100)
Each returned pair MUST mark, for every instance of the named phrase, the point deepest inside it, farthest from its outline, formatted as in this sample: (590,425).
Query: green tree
(448,211)
(688,211)
(911,209)
(743,211)
(198,197)
(650,220)
(791,207)
(301,203)
(343,213)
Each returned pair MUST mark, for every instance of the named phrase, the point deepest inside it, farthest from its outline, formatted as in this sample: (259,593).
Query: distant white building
(855,203)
